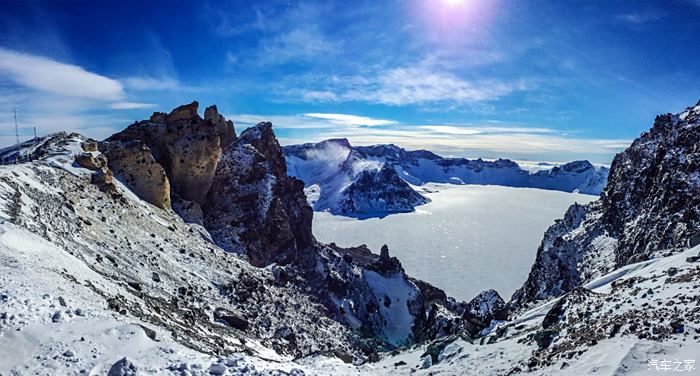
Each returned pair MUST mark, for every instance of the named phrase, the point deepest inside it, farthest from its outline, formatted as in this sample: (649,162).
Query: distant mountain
(331,169)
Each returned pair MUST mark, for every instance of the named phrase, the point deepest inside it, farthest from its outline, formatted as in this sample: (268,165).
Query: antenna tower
(14,109)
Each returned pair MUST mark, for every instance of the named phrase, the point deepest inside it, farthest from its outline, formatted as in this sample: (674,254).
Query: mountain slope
(132,259)
(649,208)
(331,167)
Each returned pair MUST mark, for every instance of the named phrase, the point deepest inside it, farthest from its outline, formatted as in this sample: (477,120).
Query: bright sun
(454,2)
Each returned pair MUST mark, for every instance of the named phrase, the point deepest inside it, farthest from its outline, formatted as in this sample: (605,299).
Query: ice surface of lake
(468,239)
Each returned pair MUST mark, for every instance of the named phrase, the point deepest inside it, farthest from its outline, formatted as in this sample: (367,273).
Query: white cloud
(130,105)
(413,85)
(40,73)
(302,44)
(350,120)
(485,142)
(310,120)
(458,130)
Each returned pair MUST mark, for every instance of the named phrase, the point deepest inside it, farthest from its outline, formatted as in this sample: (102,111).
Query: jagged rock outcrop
(253,207)
(224,128)
(187,146)
(485,307)
(650,206)
(372,294)
(90,161)
(134,165)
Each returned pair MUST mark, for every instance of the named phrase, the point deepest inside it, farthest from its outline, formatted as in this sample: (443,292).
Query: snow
(397,313)
(468,239)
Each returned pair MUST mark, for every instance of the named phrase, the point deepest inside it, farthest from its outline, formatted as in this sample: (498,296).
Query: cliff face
(253,207)
(650,207)
(185,145)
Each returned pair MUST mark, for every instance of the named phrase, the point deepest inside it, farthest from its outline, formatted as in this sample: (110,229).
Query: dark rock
(150,333)
(544,338)
(253,207)
(485,307)
(651,203)
(231,319)
(123,367)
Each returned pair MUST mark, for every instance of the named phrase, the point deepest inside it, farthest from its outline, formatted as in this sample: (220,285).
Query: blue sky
(537,80)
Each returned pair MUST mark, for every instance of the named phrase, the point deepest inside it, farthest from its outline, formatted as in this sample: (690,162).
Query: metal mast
(14,109)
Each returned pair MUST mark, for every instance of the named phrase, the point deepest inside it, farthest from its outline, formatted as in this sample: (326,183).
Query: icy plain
(467,239)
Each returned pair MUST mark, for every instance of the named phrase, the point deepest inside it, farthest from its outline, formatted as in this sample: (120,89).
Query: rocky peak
(650,207)
(227,133)
(576,166)
(184,144)
(184,112)
(262,138)
(253,207)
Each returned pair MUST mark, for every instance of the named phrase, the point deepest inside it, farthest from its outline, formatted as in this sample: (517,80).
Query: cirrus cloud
(41,73)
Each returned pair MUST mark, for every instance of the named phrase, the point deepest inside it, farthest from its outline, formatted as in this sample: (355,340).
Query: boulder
(104,179)
(91,162)
(89,146)
(123,367)
(485,307)
(231,319)
(135,166)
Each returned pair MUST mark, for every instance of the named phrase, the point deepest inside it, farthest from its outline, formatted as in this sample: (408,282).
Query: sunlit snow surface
(468,239)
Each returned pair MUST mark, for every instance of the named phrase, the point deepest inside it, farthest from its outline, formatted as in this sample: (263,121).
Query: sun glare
(453,3)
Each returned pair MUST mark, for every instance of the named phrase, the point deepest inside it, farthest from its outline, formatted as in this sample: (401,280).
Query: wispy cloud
(641,17)
(413,85)
(311,120)
(40,73)
(301,44)
(350,120)
(130,105)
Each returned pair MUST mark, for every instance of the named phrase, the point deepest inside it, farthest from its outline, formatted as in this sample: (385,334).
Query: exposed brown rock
(224,128)
(184,144)
(91,162)
(89,145)
(135,166)
(102,176)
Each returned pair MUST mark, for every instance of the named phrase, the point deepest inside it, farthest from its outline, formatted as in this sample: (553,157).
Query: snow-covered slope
(621,323)
(330,167)
(649,208)
(80,249)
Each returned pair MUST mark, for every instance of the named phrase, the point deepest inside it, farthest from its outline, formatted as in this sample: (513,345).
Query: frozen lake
(468,239)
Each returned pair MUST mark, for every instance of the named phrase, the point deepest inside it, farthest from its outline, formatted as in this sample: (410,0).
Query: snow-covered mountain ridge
(649,208)
(206,243)
(137,256)
(331,168)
